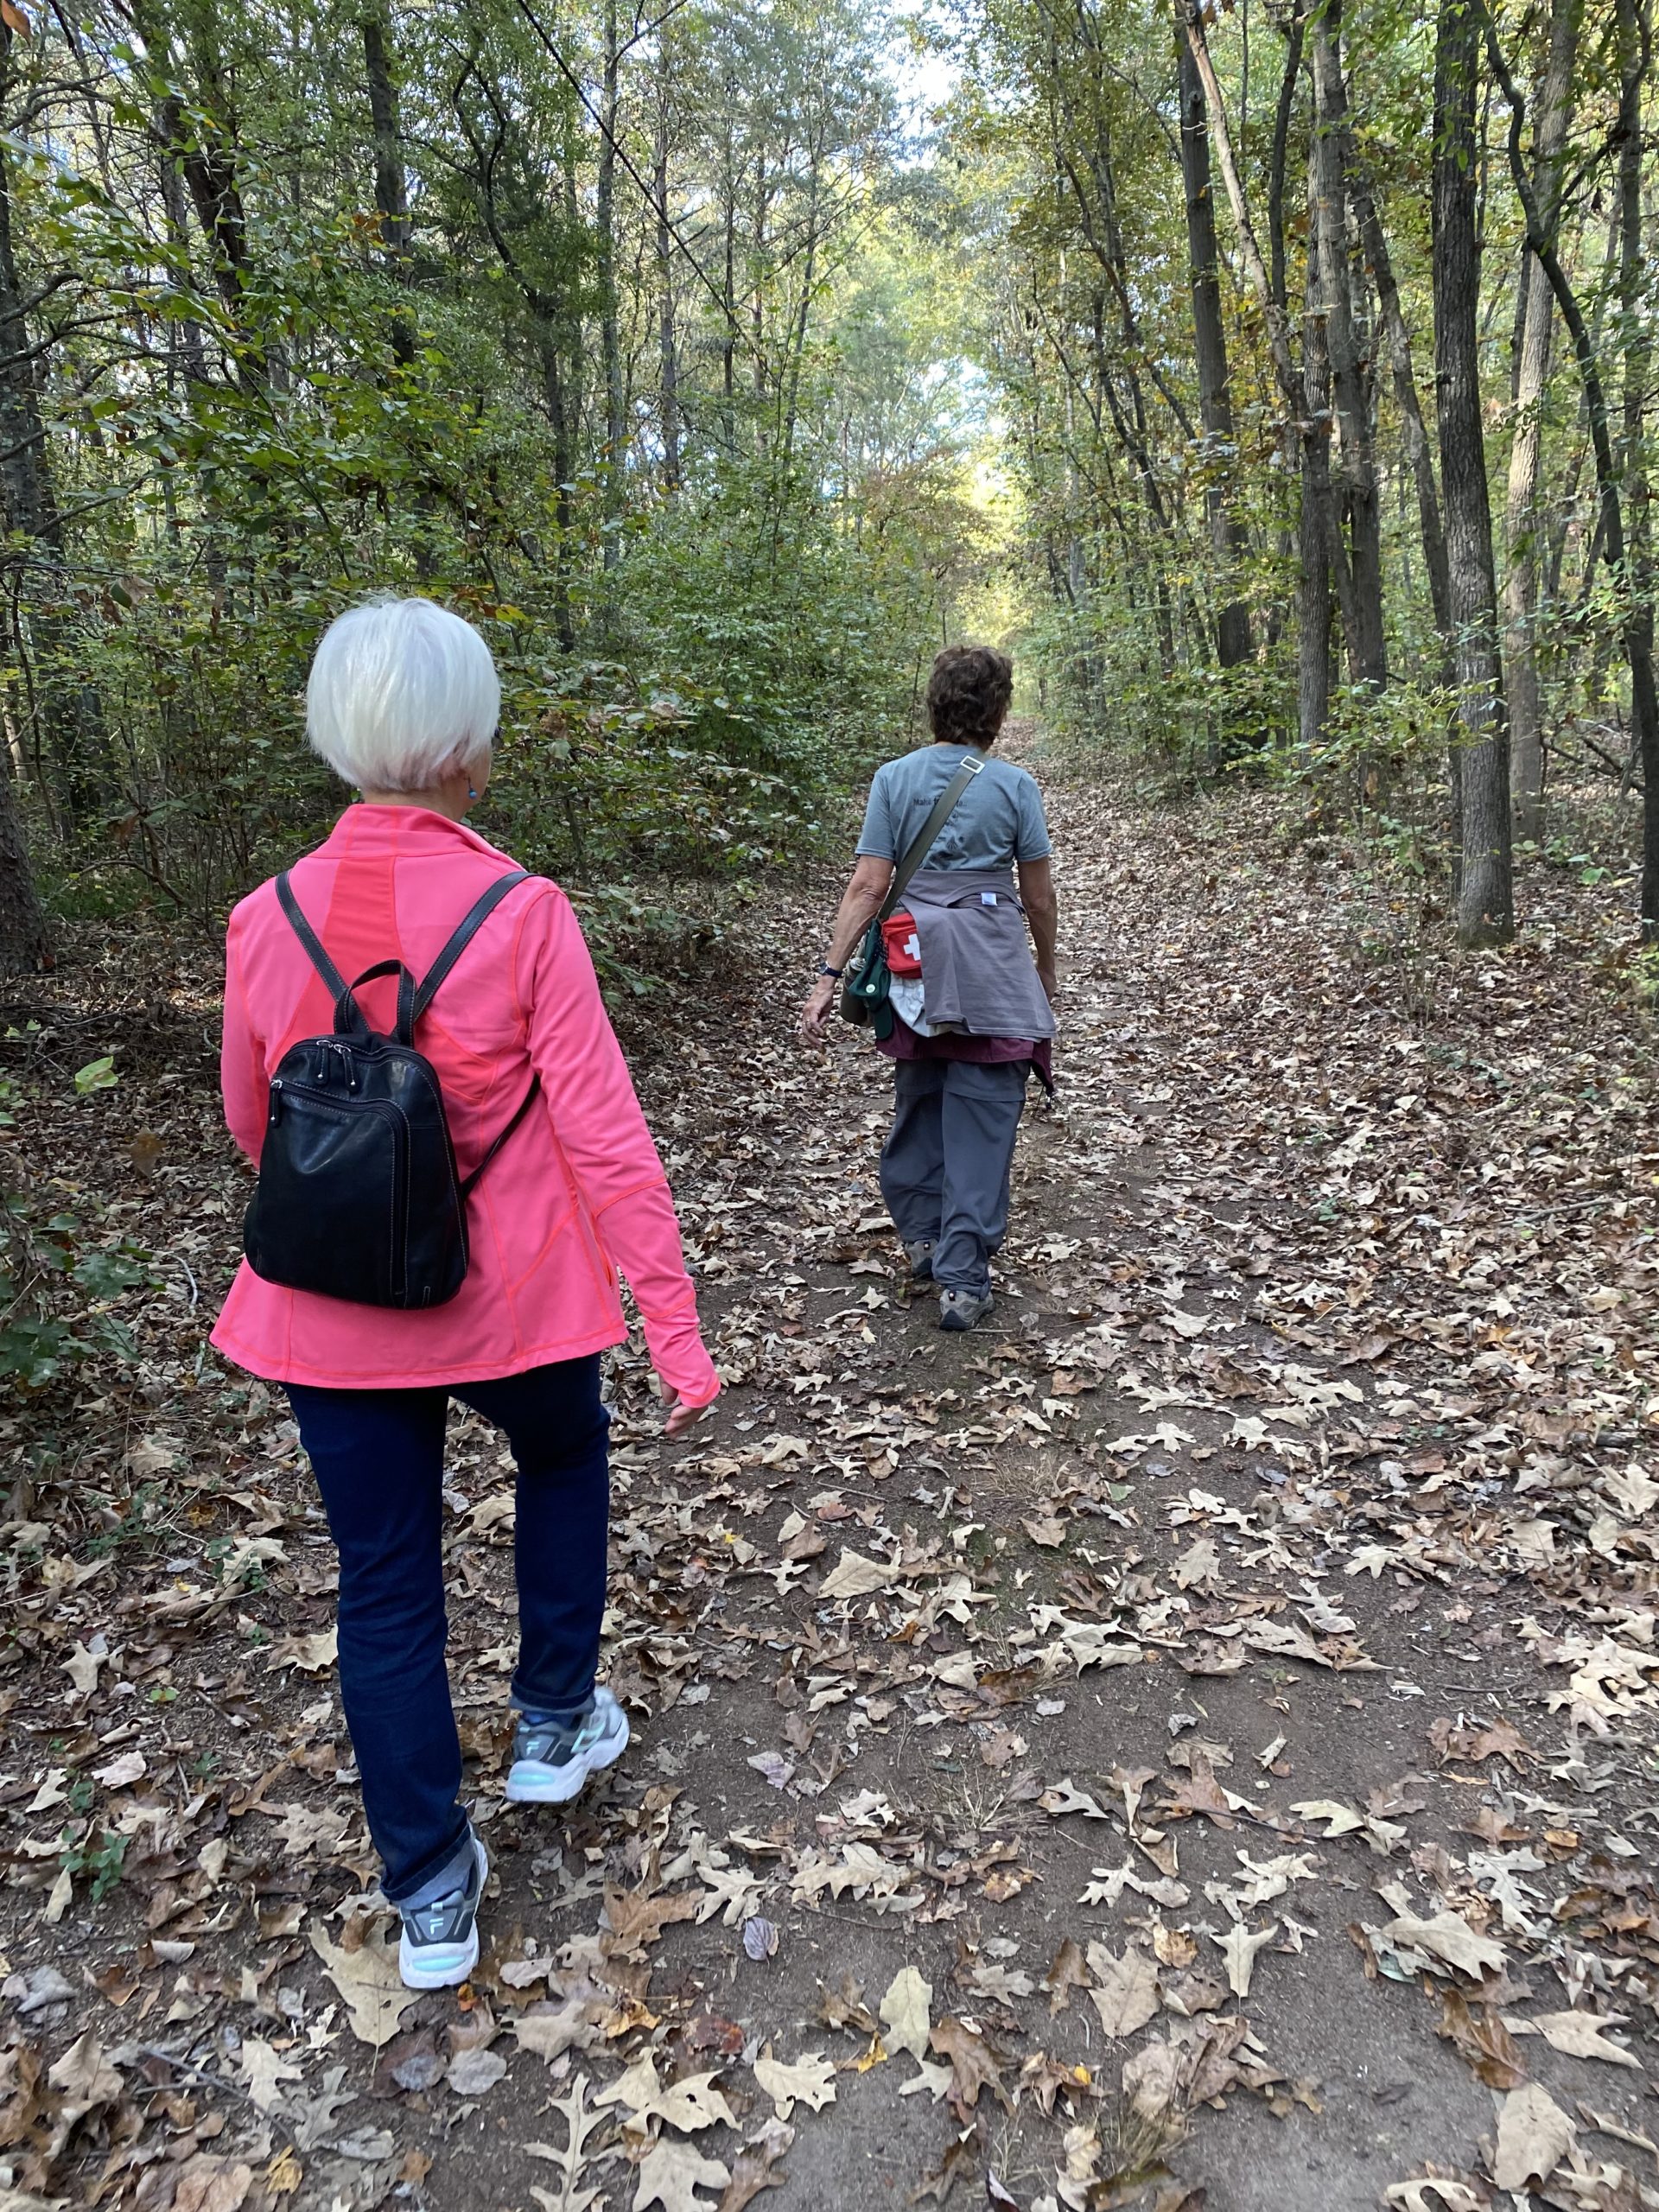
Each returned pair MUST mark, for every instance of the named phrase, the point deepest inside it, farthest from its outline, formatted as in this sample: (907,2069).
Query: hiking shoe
(551,1759)
(963,1309)
(439,1945)
(919,1253)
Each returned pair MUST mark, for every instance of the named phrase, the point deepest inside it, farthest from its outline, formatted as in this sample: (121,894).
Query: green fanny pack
(867,986)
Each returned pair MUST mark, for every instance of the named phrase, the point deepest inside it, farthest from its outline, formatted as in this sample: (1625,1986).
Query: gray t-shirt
(997,821)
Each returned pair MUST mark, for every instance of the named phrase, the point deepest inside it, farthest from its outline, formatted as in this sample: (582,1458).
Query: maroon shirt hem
(986,1052)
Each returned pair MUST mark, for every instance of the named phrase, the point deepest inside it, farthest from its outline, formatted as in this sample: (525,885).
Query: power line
(659,207)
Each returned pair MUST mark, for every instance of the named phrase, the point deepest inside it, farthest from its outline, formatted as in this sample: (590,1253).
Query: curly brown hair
(968,695)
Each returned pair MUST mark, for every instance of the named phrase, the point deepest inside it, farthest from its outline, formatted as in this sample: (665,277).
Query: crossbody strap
(922,844)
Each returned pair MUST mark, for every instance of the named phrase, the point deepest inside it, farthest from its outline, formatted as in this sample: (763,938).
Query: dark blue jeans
(378,1459)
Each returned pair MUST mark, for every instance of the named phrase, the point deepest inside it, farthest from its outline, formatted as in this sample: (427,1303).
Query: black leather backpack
(358,1196)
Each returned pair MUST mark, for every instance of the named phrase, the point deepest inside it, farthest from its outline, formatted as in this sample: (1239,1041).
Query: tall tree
(1346,346)
(1635,623)
(1485,888)
(1521,520)
(1230,538)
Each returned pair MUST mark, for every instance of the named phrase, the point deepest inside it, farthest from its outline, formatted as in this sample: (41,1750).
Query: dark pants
(945,1165)
(378,1459)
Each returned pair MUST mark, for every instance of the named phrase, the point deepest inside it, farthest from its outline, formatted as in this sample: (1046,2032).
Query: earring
(471,793)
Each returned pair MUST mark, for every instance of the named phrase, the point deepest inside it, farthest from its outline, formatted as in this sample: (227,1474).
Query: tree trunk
(390,186)
(668,350)
(1485,891)
(1522,522)
(203,142)
(69,731)
(1633,57)
(1230,541)
(24,946)
(565,464)
(1312,567)
(1638,624)
(1350,376)
(728,294)
(609,336)
(1316,464)
(1414,436)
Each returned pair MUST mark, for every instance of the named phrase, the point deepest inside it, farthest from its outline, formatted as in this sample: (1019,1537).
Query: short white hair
(402,694)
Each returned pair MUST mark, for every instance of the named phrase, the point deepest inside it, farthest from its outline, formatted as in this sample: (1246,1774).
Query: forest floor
(1190,1743)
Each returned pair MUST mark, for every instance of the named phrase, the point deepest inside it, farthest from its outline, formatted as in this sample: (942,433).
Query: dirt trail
(1224,1681)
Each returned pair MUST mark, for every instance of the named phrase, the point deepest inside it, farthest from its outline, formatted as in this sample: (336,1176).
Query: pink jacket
(577,1191)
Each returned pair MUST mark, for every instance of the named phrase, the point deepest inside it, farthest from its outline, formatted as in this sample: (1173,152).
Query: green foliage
(60,1277)
(102,1856)
(709,585)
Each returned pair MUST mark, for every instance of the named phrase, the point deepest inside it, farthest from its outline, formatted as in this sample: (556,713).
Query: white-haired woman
(402,702)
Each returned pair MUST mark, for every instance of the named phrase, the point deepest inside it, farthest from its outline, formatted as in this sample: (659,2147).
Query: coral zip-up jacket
(576,1192)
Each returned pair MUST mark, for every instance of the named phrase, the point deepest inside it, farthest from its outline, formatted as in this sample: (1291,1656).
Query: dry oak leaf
(631,1919)
(1533,2135)
(1067,1971)
(671,2173)
(551,2030)
(1483,2036)
(474,2073)
(367,1978)
(1198,1565)
(1501,1740)
(973,2067)
(686,2105)
(1340,1819)
(757,2166)
(207,2183)
(1578,2035)
(312,1655)
(810,2079)
(1239,1947)
(1448,1936)
(82,2078)
(1450,2194)
(265,2069)
(1197,1792)
(572,2160)
(904,2012)
(1125,1990)
(121,1773)
(855,1576)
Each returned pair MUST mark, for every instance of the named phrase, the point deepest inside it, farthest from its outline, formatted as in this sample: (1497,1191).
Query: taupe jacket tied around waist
(977,968)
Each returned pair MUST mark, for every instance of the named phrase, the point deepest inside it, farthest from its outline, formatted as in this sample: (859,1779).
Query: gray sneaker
(963,1309)
(551,1759)
(919,1253)
(438,1947)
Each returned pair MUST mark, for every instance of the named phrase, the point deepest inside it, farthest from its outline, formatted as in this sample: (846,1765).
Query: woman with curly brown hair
(966,1013)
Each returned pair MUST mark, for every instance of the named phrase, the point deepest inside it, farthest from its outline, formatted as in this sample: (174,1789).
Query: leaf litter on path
(1313,1417)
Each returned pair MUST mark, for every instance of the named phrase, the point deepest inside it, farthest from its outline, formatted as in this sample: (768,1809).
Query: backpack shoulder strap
(464,935)
(308,937)
(922,844)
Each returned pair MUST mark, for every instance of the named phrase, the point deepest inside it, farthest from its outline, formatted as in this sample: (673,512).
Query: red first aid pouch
(903,945)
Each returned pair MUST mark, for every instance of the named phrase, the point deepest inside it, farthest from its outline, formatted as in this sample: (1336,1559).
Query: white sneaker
(438,1947)
(551,1759)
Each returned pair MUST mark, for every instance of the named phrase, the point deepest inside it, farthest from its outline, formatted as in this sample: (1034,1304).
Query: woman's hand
(680,1415)
(813,1027)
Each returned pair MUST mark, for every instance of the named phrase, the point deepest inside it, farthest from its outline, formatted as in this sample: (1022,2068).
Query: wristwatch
(825,969)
